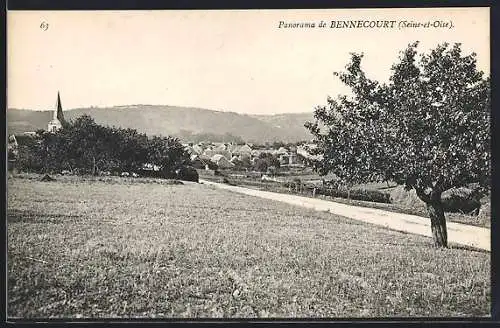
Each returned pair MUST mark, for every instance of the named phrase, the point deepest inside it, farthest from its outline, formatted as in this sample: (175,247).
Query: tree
(278,144)
(168,153)
(242,163)
(266,160)
(83,145)
(31,154)
(133,149)
(427,128)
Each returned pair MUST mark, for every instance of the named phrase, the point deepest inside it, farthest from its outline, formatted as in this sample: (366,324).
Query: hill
(294,122)
(184,122)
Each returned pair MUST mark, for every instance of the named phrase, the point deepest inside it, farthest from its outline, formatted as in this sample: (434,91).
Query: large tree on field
(427,128)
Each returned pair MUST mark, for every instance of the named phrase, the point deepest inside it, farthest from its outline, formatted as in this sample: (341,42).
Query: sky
(230,60)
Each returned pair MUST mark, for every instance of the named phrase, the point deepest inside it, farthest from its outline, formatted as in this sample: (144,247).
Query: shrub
(271,170)
(355,194)
(461,200)
(47,178)
(296,182)
(187,173)
(485,210)
(226,181)
(218,173)
(11,165)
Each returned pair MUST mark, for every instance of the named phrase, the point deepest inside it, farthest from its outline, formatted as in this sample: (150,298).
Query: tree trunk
(436,214)
(438,223)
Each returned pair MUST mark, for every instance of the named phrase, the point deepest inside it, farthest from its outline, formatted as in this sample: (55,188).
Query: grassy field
(135,248)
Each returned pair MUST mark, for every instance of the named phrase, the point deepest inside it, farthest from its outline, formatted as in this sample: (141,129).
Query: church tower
(58,118)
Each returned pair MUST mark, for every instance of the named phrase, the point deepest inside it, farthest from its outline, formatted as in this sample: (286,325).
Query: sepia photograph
(249,164)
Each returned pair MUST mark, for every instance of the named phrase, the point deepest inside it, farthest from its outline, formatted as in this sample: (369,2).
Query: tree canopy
(427,128)
(265,161)
(87,147)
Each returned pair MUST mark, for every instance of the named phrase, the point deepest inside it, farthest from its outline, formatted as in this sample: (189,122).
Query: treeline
(188,136)
(85,147)
(265,162)
(191,137)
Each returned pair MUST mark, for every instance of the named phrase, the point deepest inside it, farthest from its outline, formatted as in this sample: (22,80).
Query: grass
(104,249)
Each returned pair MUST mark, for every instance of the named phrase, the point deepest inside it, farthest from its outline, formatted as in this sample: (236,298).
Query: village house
(197,149)
(200,162)
(211,152)
(228,155)
(222,162)
(244,150)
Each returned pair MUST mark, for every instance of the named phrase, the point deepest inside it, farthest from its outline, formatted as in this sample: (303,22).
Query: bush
(264,161)
(369,195)
(485,210)
(11,164)
(145,173)
(187,173)
(461,200)
(271,170)
(226,181)
(296,182)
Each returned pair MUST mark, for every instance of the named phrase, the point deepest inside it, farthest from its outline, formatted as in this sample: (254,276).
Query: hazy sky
(236,61)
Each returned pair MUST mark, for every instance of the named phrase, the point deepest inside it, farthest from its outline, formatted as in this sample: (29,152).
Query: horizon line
(161,105)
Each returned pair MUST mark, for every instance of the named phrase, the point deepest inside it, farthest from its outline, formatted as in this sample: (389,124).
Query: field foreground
(461,234)
(97,249)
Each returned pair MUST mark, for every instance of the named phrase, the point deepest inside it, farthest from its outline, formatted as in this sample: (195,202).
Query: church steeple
(58,117)
(59,112)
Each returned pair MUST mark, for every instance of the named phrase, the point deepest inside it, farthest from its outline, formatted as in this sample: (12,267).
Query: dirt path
(457,233)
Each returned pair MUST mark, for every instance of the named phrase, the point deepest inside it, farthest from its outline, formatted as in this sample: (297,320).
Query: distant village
(213,155)
(227,155)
